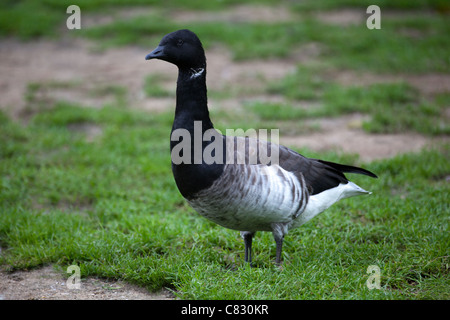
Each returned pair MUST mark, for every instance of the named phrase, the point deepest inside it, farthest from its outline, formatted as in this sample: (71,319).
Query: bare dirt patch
(351,16)
(48,284)
(343,17)
(73,61)
(239,13)
(428,84)
(344,135)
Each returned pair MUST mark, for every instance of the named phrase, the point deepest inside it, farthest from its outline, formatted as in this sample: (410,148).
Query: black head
(182,48)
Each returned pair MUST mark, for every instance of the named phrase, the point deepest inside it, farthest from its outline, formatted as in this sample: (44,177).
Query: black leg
(279,230)
(248,236)
(279,243)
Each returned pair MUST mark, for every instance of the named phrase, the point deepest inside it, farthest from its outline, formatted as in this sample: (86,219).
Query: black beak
(158,53)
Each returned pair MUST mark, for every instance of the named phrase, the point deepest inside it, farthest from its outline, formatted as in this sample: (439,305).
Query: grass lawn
(108,203)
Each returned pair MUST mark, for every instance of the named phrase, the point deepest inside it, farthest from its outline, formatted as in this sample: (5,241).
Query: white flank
(322,201)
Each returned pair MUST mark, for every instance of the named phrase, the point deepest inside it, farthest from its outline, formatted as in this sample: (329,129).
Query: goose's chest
(233,212)
(192,178)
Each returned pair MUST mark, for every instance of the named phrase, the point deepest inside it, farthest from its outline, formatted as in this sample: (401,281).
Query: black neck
(192,101)
(192,106)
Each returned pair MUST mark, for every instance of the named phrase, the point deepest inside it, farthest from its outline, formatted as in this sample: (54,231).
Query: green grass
(153,89)
(111,207)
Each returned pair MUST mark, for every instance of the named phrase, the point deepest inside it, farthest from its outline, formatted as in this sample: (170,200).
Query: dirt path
(48,284)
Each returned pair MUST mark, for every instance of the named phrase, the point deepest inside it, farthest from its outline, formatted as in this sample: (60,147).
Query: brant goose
(231,187)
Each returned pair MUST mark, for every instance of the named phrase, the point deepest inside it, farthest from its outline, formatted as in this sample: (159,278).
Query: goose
(237,190)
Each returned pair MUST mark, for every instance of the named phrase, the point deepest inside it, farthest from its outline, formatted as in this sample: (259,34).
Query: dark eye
(180,42)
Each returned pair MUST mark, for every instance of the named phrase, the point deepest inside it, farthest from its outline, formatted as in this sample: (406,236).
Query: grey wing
(318,175)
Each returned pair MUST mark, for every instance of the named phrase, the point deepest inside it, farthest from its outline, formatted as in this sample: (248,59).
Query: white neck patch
(196,72)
